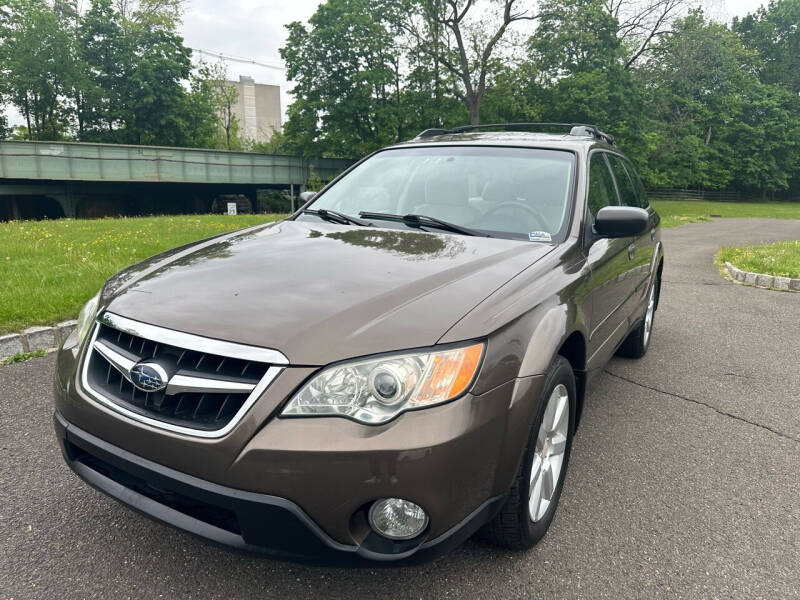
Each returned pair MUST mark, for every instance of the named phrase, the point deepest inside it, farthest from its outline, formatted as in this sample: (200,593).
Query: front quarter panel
(529,318)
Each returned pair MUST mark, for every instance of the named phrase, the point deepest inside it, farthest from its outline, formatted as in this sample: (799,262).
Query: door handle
(631,251)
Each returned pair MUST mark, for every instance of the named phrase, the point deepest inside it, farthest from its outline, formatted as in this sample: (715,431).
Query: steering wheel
(540,220)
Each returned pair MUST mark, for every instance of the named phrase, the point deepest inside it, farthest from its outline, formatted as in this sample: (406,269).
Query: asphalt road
(684,480)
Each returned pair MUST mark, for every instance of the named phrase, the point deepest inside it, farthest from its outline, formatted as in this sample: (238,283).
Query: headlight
(86,317)
(377,390)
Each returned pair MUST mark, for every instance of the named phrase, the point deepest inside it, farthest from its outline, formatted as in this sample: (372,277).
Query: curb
(36,338)
(770,282)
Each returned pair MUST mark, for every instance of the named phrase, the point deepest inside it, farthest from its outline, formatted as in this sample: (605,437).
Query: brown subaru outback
(400,364)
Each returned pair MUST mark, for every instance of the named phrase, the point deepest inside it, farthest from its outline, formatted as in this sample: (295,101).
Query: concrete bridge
(78,179)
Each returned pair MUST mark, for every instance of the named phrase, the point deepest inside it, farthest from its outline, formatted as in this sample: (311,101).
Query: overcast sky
(254,30)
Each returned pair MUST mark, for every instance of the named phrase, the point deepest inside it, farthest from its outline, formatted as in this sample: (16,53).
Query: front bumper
(247,521)
(270,478)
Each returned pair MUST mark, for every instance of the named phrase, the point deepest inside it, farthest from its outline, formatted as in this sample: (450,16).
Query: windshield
(506,192)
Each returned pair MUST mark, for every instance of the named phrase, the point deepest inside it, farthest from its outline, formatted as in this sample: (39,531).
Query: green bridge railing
(72,161)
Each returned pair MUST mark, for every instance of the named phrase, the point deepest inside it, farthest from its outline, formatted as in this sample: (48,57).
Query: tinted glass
(512,192)
(627,193)
(641,194)
(601,186)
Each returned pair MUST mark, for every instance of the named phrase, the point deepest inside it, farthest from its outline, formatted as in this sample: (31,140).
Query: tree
(719,126)
(577,71)
(277,144)
(577,36)
(348,97)
(152,92)
(464,41)
(151,13)
(428,87)
(4,131)
(77,84)
(35,67)
(19,133)
(314,183)
(774,33)
(225,97)
(199,114)
(765,138)
(112,74)
(641,22)
(373,73)
(138,66)
(105,51)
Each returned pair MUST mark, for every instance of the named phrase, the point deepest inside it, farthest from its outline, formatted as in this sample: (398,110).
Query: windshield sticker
(539,236)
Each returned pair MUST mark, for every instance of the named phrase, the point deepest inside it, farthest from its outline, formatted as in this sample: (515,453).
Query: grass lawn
(781,258)
(678,212)
(48,269)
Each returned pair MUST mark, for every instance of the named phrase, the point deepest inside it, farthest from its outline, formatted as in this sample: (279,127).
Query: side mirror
(621,221)
(306,197)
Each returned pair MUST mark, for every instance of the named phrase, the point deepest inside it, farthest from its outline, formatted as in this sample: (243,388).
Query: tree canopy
(117,72)
(696,103)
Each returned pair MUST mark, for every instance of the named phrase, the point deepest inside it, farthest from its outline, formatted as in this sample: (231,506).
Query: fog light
(397,519)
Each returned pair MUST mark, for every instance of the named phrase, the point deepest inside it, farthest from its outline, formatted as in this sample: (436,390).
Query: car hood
(320,292)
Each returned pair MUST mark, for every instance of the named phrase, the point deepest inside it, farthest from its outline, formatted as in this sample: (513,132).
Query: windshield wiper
(413,220)
(337,217)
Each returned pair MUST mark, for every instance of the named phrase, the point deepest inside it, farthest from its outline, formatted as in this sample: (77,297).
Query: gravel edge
(36,338)
(770,282)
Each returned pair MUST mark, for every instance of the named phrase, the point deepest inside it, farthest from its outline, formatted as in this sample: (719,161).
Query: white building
(258,109)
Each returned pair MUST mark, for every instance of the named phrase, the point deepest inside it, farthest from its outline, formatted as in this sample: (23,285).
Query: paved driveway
(684,480)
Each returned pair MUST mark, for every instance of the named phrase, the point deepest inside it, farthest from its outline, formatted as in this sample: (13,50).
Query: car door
(652,242)
(608,285)
(642,247)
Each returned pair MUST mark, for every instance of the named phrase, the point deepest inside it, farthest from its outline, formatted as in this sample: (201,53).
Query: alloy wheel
(648,318)
(548,457)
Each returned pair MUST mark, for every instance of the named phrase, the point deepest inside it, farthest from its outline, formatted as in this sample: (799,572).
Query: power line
(248,61)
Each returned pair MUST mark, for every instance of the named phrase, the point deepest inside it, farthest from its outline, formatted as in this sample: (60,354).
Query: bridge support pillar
(15,214)
(67,202)
(252,195)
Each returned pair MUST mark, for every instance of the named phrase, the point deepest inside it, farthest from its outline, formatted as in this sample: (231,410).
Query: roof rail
(592,131)
(577,129)
(432,132)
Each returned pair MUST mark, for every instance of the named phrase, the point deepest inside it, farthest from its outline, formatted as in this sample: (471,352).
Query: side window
(627,193)
(601,186)
(638,185)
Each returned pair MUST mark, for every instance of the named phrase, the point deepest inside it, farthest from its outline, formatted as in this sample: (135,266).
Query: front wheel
(532,501)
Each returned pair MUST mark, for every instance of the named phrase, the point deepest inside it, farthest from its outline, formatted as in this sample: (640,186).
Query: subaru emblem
(149,377)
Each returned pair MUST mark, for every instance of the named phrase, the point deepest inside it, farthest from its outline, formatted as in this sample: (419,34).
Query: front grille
(205,392)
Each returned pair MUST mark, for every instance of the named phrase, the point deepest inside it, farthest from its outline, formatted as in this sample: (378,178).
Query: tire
(513,527)
(638,340)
